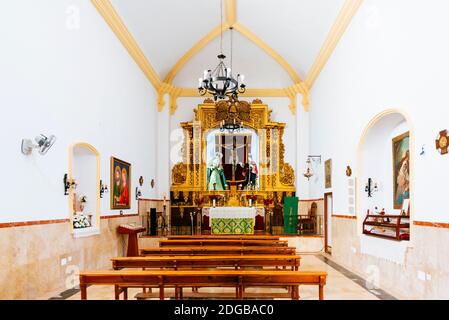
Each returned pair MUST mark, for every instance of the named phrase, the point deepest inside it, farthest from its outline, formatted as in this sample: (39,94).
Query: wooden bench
(216,250)
(223,237)
(205,278)
(226,242)
(176,262)
(212,261)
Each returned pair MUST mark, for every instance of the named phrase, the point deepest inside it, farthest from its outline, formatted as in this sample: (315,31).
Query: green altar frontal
(232,226)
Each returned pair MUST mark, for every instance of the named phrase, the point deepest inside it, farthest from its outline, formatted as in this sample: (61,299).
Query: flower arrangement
(80,221)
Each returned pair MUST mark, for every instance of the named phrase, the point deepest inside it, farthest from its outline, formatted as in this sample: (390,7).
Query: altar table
(232,220)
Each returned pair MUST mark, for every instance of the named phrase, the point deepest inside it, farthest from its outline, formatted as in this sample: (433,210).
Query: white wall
(78,83)
(392,56)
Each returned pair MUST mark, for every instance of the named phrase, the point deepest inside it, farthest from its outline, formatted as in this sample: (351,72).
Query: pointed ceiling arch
(166,87)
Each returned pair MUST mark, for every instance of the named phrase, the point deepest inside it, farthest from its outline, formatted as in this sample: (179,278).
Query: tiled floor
(341,285)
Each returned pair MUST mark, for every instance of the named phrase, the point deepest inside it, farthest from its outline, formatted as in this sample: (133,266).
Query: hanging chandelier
(219,82)
(231,113)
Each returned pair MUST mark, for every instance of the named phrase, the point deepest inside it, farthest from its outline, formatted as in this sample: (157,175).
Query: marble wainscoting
(418,269)
(31,256)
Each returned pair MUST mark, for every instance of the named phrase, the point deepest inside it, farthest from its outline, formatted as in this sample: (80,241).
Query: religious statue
(253,173)
(216,179)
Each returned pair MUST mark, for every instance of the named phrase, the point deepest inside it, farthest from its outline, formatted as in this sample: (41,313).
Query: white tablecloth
(231,213)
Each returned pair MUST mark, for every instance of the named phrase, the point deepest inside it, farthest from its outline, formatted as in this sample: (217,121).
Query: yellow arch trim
(342,22)
(270,51)
(193,51)
(117,25)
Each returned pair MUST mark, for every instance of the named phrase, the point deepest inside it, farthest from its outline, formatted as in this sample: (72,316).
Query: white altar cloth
(231,213)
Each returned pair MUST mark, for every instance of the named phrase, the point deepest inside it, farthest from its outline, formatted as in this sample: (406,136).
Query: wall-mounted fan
(43,143)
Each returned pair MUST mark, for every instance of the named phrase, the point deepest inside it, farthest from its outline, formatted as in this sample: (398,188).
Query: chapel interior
(224,149)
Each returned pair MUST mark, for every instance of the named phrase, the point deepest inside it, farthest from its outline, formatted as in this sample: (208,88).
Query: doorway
(328,209)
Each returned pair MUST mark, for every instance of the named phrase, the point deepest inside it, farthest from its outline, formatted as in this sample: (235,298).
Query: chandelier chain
(221,26)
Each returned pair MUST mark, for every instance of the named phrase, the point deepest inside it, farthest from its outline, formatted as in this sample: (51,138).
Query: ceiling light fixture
(220,83)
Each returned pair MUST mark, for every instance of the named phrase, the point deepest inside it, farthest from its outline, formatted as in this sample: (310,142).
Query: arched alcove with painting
(385,185)
(84,196)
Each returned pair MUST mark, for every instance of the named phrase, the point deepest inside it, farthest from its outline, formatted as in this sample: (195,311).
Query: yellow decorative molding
(343,20)
(192,52)
(231,16)
(114,21)
(270,51)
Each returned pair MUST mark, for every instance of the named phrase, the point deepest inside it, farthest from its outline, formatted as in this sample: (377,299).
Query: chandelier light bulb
(200,82)
(242,78)
(205,74)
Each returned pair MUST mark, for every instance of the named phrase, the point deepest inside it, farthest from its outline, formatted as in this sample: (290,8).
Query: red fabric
(260,225)
(124,196)
(205,223)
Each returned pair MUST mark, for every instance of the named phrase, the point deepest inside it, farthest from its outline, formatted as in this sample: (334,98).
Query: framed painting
(401,169)
(328,174)
(120,184)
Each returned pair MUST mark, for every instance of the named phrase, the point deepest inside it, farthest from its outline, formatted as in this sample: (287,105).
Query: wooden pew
(223,237)
(216,250)
(195,262)
(205,278)
(220,242)
(212,261)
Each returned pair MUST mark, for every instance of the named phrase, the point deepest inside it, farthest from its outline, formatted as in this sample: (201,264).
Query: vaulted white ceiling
(166,29)
(280,45)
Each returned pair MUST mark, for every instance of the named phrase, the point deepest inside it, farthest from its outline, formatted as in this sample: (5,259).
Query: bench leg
(117,292)
(83,288)
(125,293)
(321,290)
(180,293)
(161,292)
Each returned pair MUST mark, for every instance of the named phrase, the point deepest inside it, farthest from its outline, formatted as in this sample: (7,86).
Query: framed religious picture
(328,174)
(120,187)
(401,169)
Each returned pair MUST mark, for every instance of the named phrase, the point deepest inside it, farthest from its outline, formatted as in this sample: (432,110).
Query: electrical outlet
(63,261)
(422,275)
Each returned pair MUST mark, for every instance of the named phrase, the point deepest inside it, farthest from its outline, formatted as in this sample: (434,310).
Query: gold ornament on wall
(348,171)
(442,142)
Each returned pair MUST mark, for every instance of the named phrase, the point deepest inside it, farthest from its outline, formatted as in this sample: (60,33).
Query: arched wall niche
(375,160)
(84,168)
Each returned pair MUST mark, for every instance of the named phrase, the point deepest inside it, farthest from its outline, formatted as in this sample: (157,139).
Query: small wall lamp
(103,189)
(371,187)
(68,184)
(138,193)
(308,173)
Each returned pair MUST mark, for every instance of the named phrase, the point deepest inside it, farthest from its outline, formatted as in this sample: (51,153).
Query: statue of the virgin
(216,179)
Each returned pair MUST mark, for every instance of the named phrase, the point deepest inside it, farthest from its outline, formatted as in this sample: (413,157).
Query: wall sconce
(308,173)
(43,143)
(103,189)
(68,184)
(138,193)
(371,187)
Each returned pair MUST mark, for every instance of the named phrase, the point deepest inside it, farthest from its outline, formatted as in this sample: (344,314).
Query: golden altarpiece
(276,178)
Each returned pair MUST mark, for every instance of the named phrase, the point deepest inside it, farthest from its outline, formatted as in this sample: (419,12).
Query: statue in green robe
(216,179)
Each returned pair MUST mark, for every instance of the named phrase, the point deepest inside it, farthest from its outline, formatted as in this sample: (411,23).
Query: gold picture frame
(120,184)
(328,174)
